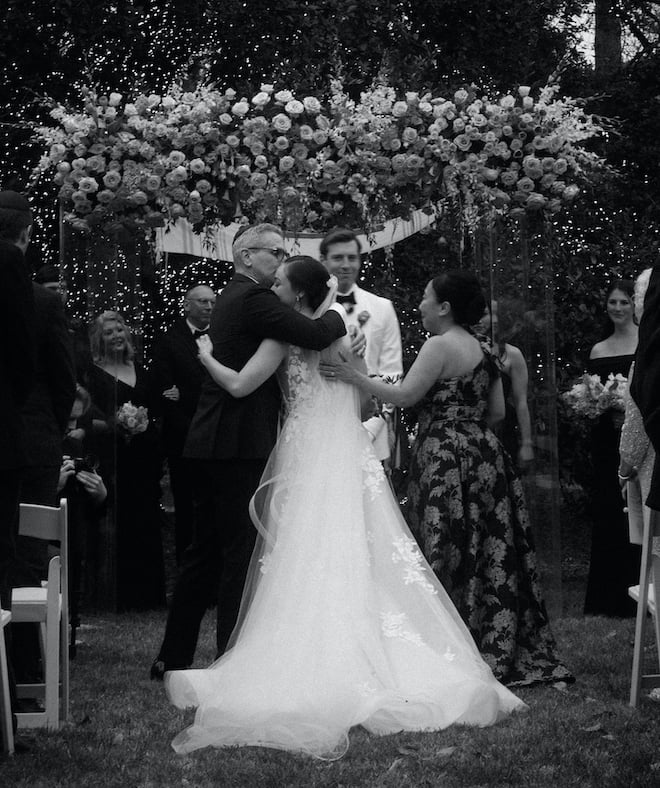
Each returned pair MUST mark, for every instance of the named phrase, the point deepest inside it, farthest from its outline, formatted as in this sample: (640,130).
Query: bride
(342,621)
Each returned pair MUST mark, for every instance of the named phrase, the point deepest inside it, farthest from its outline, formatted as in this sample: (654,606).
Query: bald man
(177,379)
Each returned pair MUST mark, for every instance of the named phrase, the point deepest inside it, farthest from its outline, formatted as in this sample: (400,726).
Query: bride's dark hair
(309,276)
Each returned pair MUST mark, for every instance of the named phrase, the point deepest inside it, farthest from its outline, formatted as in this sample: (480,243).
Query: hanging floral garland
(209,156)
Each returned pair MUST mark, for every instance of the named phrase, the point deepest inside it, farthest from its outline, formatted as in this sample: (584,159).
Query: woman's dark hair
(463,292)
(626,286)
(310,277)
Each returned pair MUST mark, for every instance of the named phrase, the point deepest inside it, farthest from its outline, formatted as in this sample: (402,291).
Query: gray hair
(250,237)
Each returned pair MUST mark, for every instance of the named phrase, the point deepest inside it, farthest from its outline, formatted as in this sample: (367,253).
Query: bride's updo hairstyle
(461,289)
(308,275)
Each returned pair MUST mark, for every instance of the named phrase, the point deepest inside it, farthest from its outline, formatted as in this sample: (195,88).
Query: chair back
(51,524)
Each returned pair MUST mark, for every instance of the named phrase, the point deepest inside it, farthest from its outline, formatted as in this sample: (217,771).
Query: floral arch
(210,159)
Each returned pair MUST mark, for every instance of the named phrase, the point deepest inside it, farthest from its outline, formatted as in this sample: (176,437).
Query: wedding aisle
(122,726)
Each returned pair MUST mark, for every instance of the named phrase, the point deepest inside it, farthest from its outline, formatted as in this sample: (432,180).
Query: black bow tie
(197,334)
(348,301)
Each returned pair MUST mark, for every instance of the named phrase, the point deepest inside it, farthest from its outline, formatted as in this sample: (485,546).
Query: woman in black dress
(614,564)
(131,464)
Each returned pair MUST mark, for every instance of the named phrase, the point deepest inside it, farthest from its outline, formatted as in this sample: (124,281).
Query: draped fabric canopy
(216,241)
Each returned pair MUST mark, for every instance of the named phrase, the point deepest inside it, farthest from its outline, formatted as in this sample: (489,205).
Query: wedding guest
(85,491)
(614,562)
(466,504)
(515,430)
(340,252)
(646,382)
(229,440)
(130,464)
(50,277)
(176,376)
(17,370)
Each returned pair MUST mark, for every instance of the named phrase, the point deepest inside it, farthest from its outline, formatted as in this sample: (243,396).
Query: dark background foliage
(51,48)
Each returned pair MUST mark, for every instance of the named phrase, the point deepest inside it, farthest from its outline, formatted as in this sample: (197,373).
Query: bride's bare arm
(259,367)
(421,376)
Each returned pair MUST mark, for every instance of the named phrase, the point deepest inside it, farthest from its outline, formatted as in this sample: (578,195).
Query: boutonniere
(363,317)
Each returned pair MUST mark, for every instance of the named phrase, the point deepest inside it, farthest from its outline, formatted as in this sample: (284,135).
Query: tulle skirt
(343,622)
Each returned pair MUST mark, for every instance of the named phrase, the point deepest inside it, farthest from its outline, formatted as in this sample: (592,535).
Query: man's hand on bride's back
(358,341)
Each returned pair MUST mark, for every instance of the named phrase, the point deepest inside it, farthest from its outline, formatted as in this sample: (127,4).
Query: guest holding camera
(86,493)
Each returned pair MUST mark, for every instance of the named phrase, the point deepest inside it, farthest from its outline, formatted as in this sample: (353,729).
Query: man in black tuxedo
(229,442)
(177,381)
(645,388)
(17,352)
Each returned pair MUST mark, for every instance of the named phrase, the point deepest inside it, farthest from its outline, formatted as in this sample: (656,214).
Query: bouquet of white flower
(133,419)
(591,398)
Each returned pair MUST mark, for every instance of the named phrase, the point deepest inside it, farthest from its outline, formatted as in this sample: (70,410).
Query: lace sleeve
(634,441)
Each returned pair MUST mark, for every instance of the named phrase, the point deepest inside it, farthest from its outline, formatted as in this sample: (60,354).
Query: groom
(229,442)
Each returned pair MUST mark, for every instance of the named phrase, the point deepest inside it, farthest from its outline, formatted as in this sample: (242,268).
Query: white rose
(312,104)
(283,96)
(168,102)
(110,113)
(523,91)
(260,99)
(130,109)
(294,107)
(240,108)
(425,106)
(230,93)
(267,88)
(399,109)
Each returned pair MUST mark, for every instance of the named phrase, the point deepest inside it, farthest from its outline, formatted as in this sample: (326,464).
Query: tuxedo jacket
(176,363)
(17,351)
(47,409)
(645,387)
(381,330)
(245,313)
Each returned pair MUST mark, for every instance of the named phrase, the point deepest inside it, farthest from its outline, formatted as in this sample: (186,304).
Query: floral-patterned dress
(466,509)
(342,623)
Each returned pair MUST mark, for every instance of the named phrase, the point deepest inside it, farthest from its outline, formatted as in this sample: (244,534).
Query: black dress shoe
(157,672)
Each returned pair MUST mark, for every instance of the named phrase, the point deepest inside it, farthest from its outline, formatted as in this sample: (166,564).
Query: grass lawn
(583,735)
(122,725)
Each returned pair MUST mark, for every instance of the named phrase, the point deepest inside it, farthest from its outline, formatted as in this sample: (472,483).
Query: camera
(84,464)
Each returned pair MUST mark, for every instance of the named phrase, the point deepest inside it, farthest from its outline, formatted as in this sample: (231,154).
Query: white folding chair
(5,699)
(645,594)
(47,606)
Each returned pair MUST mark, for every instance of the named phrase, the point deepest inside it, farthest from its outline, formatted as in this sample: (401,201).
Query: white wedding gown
(343,622)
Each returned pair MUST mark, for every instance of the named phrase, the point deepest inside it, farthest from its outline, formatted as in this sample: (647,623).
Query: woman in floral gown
(342,622)
(466,504)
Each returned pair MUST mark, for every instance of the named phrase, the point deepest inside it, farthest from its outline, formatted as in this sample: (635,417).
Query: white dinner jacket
(383,355)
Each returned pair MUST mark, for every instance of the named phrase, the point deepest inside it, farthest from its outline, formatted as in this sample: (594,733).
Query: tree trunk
(607,44)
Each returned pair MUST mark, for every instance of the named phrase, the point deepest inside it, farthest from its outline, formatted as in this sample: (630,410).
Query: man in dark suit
(645,388)
(229,441)
(47,410)
(17,351)
(177,380)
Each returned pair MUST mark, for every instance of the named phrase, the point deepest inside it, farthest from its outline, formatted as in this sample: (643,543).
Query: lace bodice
(299,379)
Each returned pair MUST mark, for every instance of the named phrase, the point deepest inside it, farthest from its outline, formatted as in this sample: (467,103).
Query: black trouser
(181,483)
(218,558)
